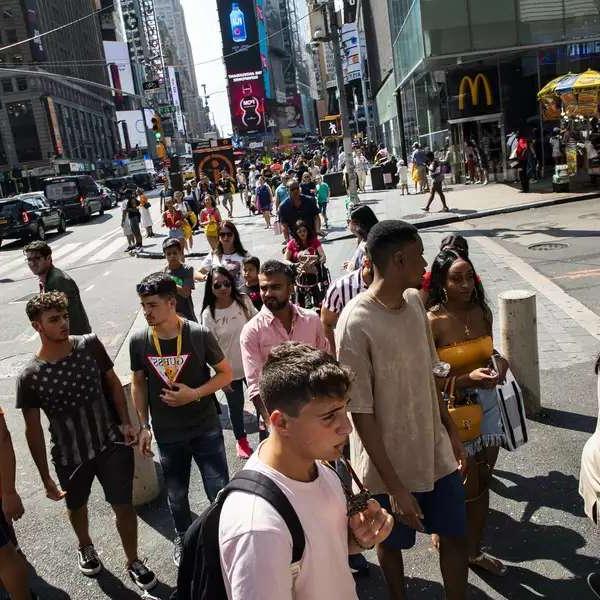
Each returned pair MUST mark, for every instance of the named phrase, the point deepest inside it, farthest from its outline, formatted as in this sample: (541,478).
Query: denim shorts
(443,511)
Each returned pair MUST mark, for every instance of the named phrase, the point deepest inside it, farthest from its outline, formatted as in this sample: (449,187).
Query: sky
(202,23)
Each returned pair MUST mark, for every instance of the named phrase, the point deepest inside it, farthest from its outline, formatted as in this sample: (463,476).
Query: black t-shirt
(199,349)
(82,423)
(289,214)
(184,276)
(253,292)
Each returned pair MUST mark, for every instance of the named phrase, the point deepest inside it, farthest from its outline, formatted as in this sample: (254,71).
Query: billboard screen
(243,63)
(117,54)
(213,156)
(133,120)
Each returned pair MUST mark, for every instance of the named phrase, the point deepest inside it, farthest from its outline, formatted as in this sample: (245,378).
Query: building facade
(55,114)
(178,52)
(468,69)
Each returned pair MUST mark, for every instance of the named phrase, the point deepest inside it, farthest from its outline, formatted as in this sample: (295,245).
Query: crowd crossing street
(299,300)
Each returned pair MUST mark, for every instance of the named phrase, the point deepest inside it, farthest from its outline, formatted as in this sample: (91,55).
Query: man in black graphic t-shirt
(171,383)
(90,436)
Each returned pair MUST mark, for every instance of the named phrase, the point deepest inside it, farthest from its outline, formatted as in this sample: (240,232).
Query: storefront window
(409,114)
(493,24)
(540,22)
(445,26)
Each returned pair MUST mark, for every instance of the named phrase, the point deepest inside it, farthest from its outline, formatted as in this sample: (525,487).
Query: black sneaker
(143,577)
(593,581)
(89,563)
(177,550)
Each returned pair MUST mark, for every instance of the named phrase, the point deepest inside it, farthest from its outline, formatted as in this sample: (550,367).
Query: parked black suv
(77,195)
(29,216)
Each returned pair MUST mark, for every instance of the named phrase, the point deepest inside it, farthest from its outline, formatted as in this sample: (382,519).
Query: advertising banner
(133,120)
(213,156)
(293,111)
(117,55)
(38,52)
(243,64)
(350,52)
(172,76)
(472,93)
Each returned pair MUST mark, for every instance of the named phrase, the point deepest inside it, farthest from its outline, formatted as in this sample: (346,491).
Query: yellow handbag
(466,417)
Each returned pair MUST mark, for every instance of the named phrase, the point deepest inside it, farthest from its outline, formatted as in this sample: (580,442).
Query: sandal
(489,563)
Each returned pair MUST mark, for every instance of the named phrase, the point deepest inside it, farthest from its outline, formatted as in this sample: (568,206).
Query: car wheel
(62,225)
(40,233)
(101,211)
(87,215)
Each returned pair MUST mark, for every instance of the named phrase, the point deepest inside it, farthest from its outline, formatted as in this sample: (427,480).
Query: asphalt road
(536,523)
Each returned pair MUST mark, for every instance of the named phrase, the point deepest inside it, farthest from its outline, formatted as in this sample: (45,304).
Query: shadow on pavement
(555,490)
(518,541)
(566,420)
(42,588)
(517,232)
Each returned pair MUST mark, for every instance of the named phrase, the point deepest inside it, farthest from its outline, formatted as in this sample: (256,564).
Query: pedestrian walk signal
(331,127)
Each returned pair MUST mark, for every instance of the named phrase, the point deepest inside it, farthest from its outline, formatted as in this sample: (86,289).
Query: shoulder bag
(466,417)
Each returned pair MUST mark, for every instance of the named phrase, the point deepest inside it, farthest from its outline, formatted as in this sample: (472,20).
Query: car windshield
(63,190)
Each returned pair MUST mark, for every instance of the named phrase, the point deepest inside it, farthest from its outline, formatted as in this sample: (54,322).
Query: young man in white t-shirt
(305,391)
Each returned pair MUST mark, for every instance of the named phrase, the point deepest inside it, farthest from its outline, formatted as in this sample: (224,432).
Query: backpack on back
(200,576)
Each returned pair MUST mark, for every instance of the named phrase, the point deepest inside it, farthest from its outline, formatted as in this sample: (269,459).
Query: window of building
(21,83)
(445,26)
(7,86)
(11,35)
(493,24)
(541,22)
(582,19)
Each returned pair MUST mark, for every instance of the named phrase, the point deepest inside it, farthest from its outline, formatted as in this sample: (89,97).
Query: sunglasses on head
(218,285)
(226,234)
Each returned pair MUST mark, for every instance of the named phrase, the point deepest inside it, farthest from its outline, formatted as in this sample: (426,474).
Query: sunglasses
(218,286)
(226,234)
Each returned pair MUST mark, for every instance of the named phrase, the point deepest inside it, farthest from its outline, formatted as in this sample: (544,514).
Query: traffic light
(157,127)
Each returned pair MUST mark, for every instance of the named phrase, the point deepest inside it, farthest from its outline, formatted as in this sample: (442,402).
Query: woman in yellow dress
(461,323)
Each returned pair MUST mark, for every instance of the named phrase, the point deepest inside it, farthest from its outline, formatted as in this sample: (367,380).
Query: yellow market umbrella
(589,80)
(549,89)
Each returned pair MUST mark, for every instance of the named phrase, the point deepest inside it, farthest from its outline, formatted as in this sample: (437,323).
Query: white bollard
(145,480)
(518,332)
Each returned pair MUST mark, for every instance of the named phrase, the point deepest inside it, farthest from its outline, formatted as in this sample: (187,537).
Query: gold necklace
(466,325)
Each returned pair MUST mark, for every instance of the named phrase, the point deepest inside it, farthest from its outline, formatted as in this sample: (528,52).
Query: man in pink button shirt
(278,321)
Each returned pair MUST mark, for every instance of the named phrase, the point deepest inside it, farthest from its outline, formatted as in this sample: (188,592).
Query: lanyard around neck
(157,341)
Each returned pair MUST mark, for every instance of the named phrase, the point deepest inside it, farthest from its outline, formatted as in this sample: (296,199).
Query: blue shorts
(443,510)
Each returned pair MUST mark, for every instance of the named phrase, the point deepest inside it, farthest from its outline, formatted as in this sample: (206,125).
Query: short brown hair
(296,373)
(38,246)
(42,303)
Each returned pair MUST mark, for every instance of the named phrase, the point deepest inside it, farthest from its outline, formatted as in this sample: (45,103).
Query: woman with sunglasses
(229,253)
(225,311)
(461,323)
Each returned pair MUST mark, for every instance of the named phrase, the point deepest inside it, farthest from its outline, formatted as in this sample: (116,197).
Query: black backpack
(200,576)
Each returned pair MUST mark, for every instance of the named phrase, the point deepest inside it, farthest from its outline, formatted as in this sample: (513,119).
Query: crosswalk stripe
(81,252)
(107,250)
(18,269)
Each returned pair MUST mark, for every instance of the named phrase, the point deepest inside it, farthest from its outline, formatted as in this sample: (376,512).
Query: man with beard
(278,321)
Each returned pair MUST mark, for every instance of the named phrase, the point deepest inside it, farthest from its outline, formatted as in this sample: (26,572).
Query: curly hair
(42,303)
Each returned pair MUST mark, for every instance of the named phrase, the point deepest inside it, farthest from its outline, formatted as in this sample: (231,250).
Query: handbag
(512,411)
(466,417)
(211,229)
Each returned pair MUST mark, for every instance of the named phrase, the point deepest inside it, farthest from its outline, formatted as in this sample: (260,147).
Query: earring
(444,295)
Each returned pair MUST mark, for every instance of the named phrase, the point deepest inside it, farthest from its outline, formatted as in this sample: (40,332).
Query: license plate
(3,221)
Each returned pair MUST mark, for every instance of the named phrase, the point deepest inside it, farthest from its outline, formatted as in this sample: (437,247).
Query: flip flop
(489,563)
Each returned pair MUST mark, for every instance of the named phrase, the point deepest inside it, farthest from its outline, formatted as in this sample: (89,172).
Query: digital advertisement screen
(247,97)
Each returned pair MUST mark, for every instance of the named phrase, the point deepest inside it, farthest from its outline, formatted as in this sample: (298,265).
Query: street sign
(331,127)
(151,85)
(165,109)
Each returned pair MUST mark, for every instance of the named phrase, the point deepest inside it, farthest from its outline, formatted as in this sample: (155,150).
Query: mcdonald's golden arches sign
(472,93)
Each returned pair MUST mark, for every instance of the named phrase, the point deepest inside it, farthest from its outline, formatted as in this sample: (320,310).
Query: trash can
(335,181)
(377,178)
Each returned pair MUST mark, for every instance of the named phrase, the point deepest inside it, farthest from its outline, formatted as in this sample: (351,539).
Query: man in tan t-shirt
(405,446)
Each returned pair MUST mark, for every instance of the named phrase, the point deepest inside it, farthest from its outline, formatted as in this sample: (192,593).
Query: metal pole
(518,331)
(343,101)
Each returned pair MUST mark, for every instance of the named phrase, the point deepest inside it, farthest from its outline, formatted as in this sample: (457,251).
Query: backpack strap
(256,483)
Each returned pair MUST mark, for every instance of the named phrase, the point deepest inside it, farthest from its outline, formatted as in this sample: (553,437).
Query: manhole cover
(545,246)
(11,366)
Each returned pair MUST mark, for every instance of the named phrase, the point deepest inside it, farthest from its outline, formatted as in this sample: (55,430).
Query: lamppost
(332,34)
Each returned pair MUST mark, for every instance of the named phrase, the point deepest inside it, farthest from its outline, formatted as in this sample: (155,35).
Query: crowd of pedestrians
(330,388)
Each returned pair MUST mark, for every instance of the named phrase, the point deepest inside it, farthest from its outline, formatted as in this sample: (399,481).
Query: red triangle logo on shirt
(168,368)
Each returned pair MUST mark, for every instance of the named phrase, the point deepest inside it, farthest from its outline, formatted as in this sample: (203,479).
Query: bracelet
(359,544)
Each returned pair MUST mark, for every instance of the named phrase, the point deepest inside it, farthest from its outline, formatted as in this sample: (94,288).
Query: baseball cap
(170,242)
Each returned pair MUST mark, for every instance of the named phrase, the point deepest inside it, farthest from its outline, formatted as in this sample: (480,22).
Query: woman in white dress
(145,216)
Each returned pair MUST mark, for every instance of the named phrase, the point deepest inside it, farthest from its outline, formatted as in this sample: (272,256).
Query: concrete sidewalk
(465,201)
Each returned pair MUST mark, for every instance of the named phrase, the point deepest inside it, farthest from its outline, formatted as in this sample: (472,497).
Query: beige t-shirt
(391,353)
